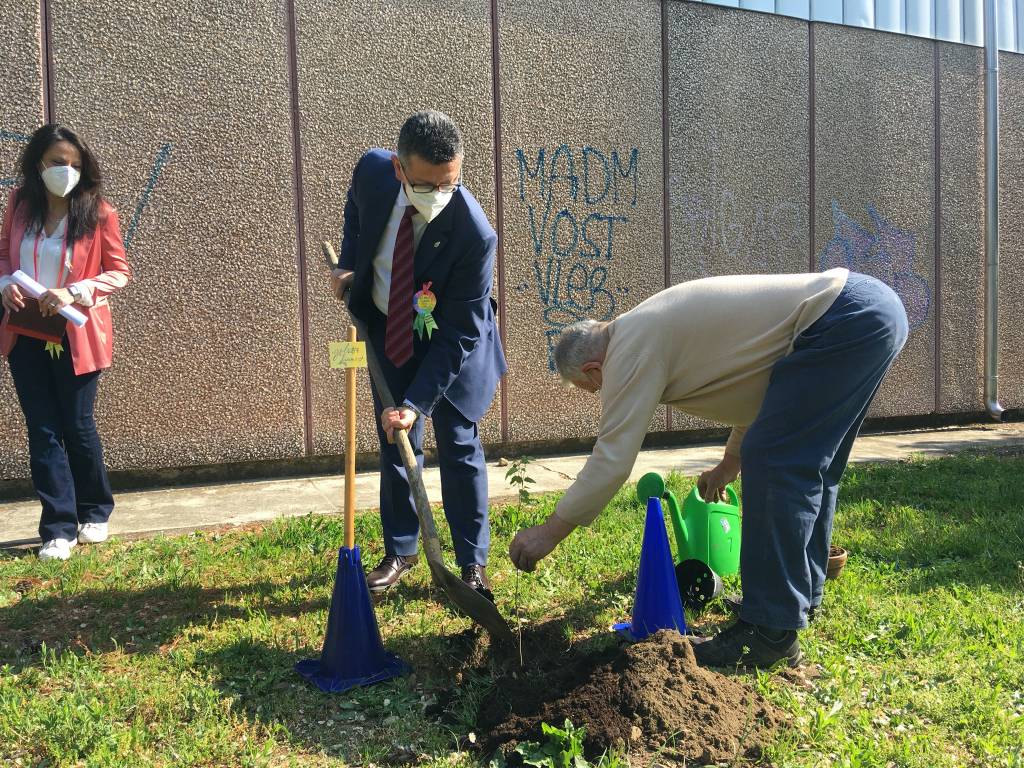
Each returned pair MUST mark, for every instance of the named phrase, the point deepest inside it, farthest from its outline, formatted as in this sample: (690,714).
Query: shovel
(466,599)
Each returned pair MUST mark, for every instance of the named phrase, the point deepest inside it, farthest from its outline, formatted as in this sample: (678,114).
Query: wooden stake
(350,452)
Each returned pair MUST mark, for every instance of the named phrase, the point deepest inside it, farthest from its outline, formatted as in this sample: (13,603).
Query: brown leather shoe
(389,571)
(476,576)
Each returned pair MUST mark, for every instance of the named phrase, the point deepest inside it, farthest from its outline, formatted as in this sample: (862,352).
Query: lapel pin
(437,244)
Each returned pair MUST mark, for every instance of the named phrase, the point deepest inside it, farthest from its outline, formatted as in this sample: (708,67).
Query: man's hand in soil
(711,484)
(341,281)
(531,545)
(396,418)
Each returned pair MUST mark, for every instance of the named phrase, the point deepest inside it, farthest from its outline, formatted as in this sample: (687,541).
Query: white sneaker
(56,549)
(92,533)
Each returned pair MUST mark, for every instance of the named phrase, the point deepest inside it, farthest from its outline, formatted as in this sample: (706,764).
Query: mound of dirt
(644,699)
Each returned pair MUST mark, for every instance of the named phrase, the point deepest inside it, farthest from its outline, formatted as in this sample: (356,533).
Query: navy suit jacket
(464,360)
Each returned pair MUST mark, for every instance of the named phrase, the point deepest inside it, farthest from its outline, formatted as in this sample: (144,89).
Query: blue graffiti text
(576,203)
(888,254)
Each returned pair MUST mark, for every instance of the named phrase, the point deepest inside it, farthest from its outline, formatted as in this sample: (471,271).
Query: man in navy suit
(415,235)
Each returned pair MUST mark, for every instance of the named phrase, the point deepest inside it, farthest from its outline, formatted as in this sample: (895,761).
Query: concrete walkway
(175,510)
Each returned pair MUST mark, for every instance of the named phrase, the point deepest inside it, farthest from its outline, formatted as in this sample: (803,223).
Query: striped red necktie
(398,332)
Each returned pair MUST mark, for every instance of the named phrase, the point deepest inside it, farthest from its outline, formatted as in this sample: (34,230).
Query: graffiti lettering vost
(577,200)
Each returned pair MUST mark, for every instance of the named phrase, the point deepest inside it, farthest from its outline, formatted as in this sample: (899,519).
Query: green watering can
(707,539)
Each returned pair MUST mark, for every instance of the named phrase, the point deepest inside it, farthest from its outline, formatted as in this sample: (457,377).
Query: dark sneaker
(390,570)
(748,645)
(476,577)
(734,604)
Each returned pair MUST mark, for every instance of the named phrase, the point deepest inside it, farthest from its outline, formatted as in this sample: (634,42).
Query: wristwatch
(76,292)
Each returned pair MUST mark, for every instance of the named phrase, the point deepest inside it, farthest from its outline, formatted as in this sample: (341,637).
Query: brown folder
(29,321)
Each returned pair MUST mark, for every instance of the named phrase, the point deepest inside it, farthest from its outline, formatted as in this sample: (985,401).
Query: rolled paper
(35,290)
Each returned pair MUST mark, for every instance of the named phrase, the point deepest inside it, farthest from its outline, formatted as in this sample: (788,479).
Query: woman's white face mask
(429,204)
(61,179)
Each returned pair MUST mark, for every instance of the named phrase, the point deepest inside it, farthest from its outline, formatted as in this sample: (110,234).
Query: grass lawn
(179,651)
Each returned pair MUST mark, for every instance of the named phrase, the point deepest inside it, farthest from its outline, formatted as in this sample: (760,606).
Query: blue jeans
(795,452)
(65,454)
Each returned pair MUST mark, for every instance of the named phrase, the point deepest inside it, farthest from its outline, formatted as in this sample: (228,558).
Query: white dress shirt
(54,261)
(386,249)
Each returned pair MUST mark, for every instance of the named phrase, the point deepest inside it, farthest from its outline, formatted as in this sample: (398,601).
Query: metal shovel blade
(468,600)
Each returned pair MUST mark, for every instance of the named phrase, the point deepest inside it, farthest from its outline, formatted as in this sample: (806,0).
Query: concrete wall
(874,189)
(960,306)
(618,146)
(188,109)
(582,168)
(1011,223)
(21,94)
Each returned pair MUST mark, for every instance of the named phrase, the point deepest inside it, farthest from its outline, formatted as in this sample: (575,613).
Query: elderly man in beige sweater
(792,363)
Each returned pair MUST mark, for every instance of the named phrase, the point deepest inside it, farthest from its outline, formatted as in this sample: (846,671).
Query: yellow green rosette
(424,302)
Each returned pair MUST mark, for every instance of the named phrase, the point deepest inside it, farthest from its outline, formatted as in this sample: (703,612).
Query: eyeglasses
(428,188)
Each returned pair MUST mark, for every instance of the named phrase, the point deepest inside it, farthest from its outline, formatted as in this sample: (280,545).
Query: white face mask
(61,179)
(429,204)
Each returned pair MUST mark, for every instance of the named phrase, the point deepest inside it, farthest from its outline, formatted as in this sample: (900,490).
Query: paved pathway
(185,509)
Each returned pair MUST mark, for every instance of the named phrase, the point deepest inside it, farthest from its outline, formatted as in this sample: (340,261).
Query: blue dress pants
(795,451)
(65,454)
(460,458)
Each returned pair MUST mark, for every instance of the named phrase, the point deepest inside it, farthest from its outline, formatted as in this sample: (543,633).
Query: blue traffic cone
(353,654)
(657,604)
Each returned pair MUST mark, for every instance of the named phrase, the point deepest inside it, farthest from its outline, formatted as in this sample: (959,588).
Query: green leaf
(533,754)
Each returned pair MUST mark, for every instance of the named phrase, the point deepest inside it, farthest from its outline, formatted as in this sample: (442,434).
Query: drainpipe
(995,410)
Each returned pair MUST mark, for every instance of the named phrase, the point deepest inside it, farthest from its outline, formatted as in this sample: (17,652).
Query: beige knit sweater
(706,347)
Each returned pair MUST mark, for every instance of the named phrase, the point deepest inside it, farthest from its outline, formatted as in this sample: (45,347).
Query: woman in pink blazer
(59,230)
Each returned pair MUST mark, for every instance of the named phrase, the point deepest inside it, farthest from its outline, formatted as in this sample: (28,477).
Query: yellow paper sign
(347,354)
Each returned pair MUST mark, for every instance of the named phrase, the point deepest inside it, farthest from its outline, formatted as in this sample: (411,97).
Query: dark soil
(649,700)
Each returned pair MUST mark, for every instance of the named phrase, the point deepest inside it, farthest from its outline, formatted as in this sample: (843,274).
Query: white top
(53,261)
(54,265)
(386,249)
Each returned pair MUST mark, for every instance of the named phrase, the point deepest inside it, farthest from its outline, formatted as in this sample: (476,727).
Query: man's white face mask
(429,204)
(61,179)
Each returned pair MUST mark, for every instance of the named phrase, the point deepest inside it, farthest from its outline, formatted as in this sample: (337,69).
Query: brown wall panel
(875,184)
(739,169)
(739,157)
(21,88)
(186,103)
(363,68)
(1011,230)
(962,227)
(21,94)
(581,130)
